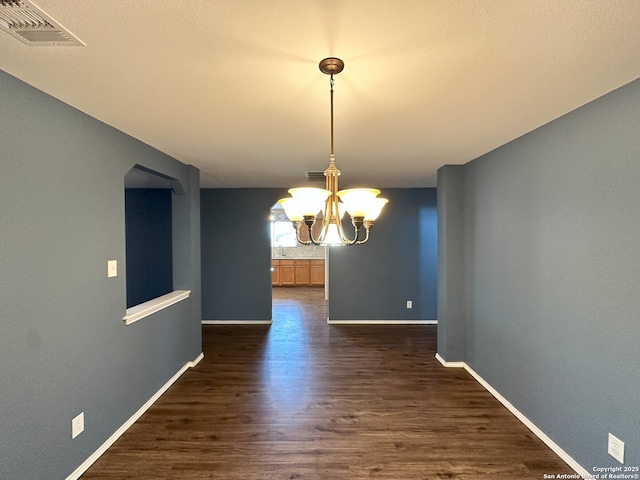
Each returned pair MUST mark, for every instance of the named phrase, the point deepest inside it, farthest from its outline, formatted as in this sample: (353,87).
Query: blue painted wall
(451,272)
(236,253)
(64,348)
(551,279)
(399,263)
(371,281)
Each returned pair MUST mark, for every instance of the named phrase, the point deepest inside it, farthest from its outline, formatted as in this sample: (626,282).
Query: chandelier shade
(310,200)
(292,209)
(377,204)
(307,206)
(358,201)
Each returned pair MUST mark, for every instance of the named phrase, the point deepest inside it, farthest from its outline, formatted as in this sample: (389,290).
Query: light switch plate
(112,268)
(77,425)
(616,448)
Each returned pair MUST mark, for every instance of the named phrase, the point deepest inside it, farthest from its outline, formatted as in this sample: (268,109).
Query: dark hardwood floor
(301,399)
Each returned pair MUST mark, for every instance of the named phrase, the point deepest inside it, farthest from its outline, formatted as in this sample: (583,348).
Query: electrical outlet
(616,448)
(77,425)
(409,304)
(112,268)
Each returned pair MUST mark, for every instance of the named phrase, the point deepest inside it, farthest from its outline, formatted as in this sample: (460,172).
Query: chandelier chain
(331,82)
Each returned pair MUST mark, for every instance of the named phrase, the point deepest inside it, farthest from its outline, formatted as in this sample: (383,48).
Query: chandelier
(306,204)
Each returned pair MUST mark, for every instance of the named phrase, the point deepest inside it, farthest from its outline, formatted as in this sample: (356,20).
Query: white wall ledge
(154,305)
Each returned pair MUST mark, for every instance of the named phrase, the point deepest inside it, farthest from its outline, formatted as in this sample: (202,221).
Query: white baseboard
(118,433)
(237,322)
(520,416)
(195,362)
(381,322)
(449,364)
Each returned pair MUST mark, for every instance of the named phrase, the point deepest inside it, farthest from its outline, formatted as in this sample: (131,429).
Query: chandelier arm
(323,234)
(337,217)
(326,215)
(310,221)
(312,240)
(356,229)
(367,226)
(343,236)
(366,237)
(347,241)
(297,226)
(336,214)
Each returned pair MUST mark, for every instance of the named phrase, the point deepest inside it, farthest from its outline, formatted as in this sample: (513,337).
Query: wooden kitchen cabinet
(297,272)
(302,273)
(287,273)
(316,273)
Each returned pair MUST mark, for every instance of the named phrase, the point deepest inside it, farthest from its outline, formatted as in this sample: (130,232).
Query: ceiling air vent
(315,176)
(23,20)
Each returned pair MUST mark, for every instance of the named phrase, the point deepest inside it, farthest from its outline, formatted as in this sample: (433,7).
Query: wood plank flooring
(301,399)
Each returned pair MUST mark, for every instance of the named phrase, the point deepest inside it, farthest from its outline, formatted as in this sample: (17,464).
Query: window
(283,234)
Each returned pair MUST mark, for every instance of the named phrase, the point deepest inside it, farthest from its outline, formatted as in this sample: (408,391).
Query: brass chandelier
(305,204)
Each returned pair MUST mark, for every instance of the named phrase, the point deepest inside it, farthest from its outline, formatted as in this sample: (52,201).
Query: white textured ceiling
(233,86)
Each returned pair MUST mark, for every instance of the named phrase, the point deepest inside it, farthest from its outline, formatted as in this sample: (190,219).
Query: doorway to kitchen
(293,265)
